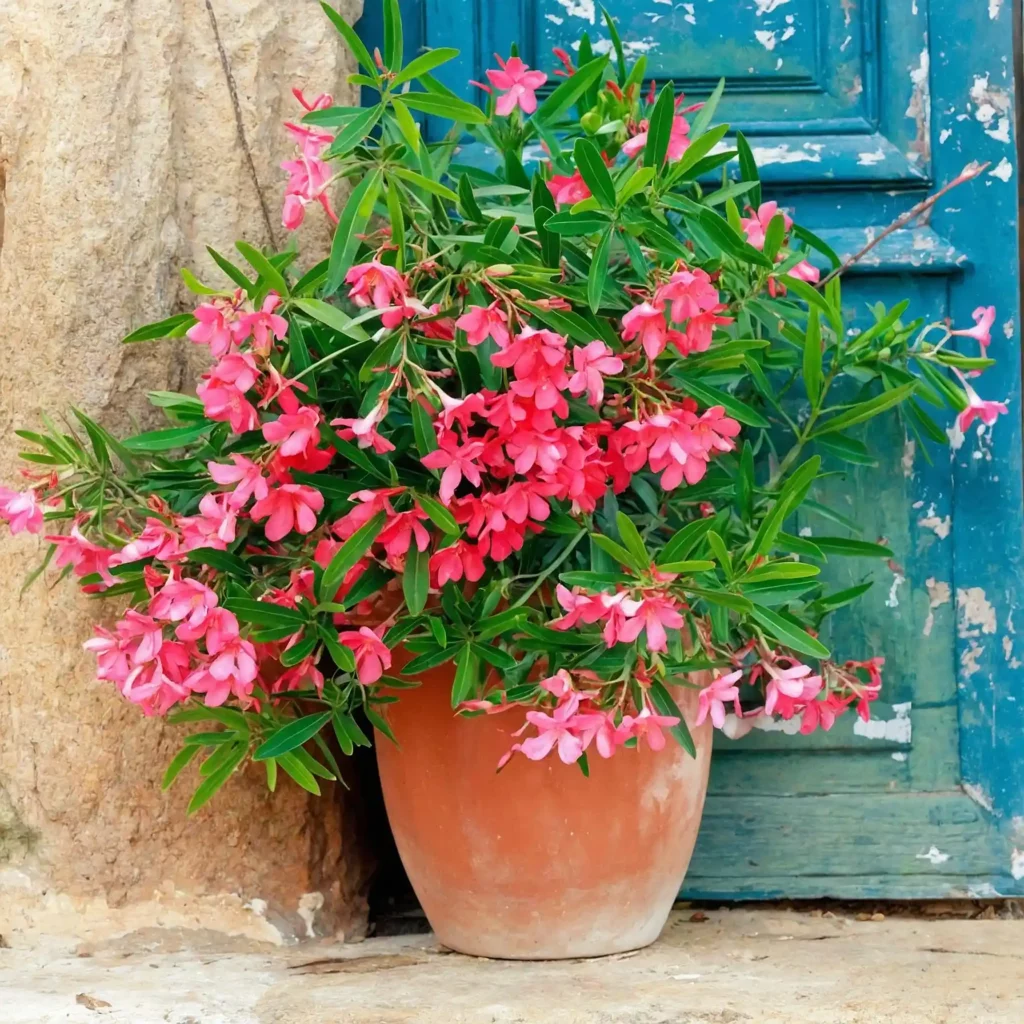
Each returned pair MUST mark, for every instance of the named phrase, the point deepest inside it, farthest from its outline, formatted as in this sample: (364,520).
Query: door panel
(854,108)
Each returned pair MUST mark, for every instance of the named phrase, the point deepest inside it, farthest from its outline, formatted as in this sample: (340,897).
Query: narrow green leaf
(620,55)
(467,675)
(704,115)
(710,396)
(748,170)
(568,92)
(812,356)
(852,548)
(789,497)
(392,34)
(684,541)
(660,130)
(423,63)
(792,636)
(222,560)
(583,223)
(272,277)
(299,773)
(290,736)
(438,514)
(444,106)
(351,224)
(865,410)
(209,786)
(632,540)
(171,327)
(351,37)
(416,579)
(347,555)
(233,272)
(354,132)
(592,167)
(174,769)
(435,187)
(598,270)
(332,317)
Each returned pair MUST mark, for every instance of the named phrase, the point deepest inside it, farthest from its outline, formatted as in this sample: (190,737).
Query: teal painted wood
(855,112)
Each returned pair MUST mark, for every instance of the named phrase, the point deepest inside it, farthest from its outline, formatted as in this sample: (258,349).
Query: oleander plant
(543,415)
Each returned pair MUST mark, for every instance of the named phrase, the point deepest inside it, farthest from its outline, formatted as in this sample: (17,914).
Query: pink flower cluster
(517,84)
(204,652)
(624,617)
(577,721)
(688,299)
(308,174)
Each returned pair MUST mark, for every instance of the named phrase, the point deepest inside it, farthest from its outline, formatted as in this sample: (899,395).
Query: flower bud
(591,121)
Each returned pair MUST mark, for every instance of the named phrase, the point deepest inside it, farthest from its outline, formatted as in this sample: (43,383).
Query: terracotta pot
(537,862)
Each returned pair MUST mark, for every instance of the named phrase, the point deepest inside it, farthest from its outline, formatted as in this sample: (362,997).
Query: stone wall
(133,133)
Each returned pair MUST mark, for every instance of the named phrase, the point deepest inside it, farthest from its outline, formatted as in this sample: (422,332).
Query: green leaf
(598,270)
(299,773)
(774,236)
(438,515)
(613,33)
(689,566)
(704,115)
(445,106)
(393,34)
(467,201)
(631,538)
(298,652)
(665,705)
(263,613)
(592,167)
(781,571)
(789,497)
(355,44)
(734,602)
(792,636)
(167,440)
(748,171)
(174,769)
(347,555)
(406,125)
(467,674)
(568,92)
(812,356)
(660,130)
(684,541)
(617,551)
(171,327)
(720,551)
(846,448)
(425,183)
(380,724)
(816,243)
(416,578)
(272,277)
(231,271)
(351,224)
(423,63)
(423,428)
(354,132)
(194,285)
(698,149)
(726,237)
(209,786)
(852,548)
(865,410)
(290,736)
(271,769)
(710,396)
(222,560)
(332,317)
(503,622)
(584,223)
(495,656)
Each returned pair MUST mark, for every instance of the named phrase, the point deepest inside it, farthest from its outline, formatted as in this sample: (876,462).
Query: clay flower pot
(537,862)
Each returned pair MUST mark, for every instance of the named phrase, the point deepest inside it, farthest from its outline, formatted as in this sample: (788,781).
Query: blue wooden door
(856,110)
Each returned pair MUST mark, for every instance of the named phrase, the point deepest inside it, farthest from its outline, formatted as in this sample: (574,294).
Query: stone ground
(722,966)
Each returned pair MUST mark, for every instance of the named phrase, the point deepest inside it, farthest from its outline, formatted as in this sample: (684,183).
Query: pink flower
(648,725)
(754,227)
(263,325)
(591,362)
(678,142)
(568,189)
(400,531)
(322,102)
(699,331)
(157,540)
(186,601)
(978,408)
(372,655)
(245,474)
(137,640)
(290,506)
(599,728)
(453,563)
(579,606)
(805,271)
(619,611)
(554,729)
(224,403)
(690,292)
(822,713)
(789,688)
(712,698)
(218,324)
(215,525)
(84,557)
(377,284)
(647,322)
(364,430)
(656,613)
(457,462)
(233,665)
(482,322)
(537,358)
(308,174)
(981,332)
(294,433)
(22,510)
(519,85)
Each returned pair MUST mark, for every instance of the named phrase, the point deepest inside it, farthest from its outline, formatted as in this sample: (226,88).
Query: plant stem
(550,569)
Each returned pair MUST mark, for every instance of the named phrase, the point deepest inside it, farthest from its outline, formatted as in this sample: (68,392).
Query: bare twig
(970,172)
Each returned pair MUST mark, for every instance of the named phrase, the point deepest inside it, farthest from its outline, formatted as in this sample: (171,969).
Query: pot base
(537,862)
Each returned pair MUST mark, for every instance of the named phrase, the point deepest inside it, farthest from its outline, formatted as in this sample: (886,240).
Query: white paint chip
(766,37)
(580,9)
(767,6)
(944,135)
(994,7)
(975,610)
(1017,863)
(870,158)
(893,600)
(934,856)
(896,730)
(554,19)
(1002,170)
(782,154)
(939,593)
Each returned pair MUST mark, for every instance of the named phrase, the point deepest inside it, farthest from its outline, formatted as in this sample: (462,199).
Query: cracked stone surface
(764,965)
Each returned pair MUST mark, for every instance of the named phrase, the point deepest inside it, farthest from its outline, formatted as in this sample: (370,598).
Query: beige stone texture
(120,159)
